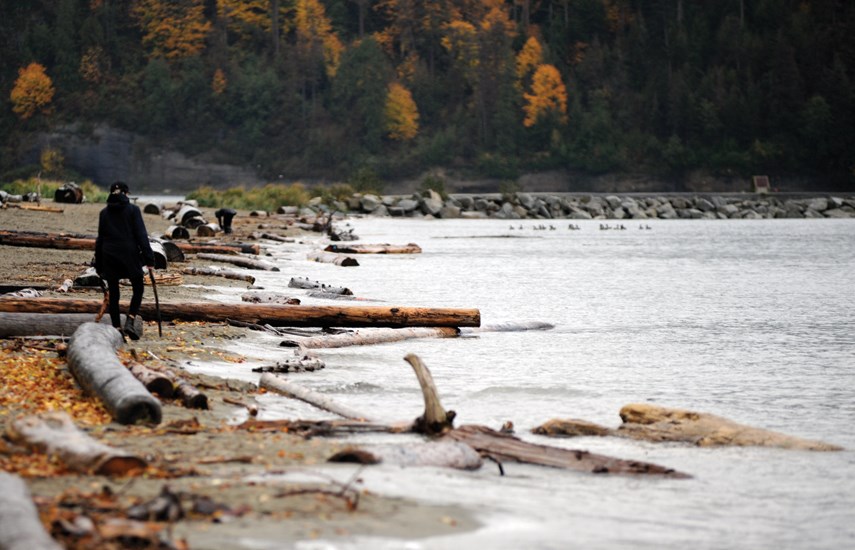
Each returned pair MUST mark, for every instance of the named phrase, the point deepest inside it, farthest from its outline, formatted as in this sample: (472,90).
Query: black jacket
(122,246)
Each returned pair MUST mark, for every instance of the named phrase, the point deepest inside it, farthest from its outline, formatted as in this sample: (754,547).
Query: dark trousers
(136,298)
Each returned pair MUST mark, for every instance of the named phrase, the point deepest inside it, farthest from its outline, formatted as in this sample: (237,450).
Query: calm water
(750,320)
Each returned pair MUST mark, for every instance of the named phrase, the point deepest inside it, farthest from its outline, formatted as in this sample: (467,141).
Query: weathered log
(194,222)
(218,272)
(370,336)
(506,447)
(239,261)
(219,248)
(302,282)
(177,232)
(446,454)
(207,230)
(68,192)
(55,433)
(410,248)
(276,315)
(93,362)
(190,396)
(160,258)
(269,298)
(435,419)
(329,258)
(186,213)
(155,381)
(38,207)
(299,364)
(173,251)
(654,423)
(45,324)
(275,237)
(46,240)
(152,208)
(20,527)
(285,387)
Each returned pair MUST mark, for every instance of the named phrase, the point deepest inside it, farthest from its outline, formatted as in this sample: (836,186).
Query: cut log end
(355,456)
(121,466)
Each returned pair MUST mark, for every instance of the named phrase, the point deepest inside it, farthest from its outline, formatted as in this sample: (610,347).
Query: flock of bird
(574,227)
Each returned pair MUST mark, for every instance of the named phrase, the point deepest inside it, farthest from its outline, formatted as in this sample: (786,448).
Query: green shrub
(269,197)
(366,180)
(434,182)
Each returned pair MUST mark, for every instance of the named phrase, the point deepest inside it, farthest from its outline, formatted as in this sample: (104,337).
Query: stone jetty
(516,206)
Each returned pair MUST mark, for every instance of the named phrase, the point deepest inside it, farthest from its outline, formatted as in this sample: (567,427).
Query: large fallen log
(302,282)
(54,433)
(285,387)
(14,325)
(410,248)
(370,336)
(93,362)
(20,527)
(654,423)
(239,261)
(276,315)
(446,454)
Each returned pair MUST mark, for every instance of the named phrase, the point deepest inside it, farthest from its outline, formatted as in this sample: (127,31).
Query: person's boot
(133,327)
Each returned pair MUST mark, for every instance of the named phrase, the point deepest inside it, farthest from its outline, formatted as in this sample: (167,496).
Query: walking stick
(105,302)
(156,302)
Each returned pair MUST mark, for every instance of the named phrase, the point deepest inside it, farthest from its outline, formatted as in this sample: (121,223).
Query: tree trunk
(435,419)
(45,324)
(55,433)
(20,527)
(239,261)
(410,248)
(93,362)
(297,316)
(367,337)
(280,385)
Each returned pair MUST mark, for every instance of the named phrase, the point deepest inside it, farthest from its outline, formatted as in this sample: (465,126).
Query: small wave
(561,391)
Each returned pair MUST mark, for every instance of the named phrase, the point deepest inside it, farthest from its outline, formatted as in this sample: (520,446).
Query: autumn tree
(402,114)
(548,97)
(530,56)
(33,91)
(172,30)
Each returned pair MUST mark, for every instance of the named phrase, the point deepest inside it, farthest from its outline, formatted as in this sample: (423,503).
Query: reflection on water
(751,320)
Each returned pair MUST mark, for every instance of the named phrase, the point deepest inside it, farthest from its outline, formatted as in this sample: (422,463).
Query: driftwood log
(14,325)
(54,433)
(239,261)
(20,527)
(276,315)
(218,248)
(302,282)
(654,423)
(330,258)
(285,387)
(177,232)
(218,272)
(269,298)
(410,248)
(370,336)
(208,230)
(442,453)
(93,362)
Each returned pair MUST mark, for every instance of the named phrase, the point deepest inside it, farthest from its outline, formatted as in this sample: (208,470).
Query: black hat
(119,187)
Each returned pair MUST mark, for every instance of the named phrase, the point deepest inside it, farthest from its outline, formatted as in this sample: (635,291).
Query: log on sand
(20,527)
(654,423)
(410,248)
(302,282)
(269,298)
(285,387)
(239,261)
(330,258)
(55,433)
(93,362)
(217,272)
(442,453)
(276,315)
(370,336)
(14,325)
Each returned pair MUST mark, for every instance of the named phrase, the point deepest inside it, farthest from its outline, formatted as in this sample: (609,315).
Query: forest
(337,89)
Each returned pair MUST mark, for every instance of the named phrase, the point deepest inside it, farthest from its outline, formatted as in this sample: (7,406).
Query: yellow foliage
(529,57)
(172,30)
(402,114)
(313,27)
(461,41)
(33,91)
(548,96)
(91,63)
(219,82)
(51,160)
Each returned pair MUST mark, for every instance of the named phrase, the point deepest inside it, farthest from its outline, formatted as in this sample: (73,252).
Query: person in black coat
(224,218)
(121,250)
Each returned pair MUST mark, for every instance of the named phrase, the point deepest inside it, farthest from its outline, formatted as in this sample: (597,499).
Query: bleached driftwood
(269,298)
(155,381)
(55,433)
(302,282)
(442,453)
(655,423)
(218,272)
(330,258)
(285,387)
(239,261)
(93,362)
(20,527)
(410,248)
(370,336)
(44,324)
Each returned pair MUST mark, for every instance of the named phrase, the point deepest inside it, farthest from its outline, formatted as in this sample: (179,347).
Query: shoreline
(197,453)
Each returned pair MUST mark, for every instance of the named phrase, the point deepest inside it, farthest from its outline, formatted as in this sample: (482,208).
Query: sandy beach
(196,454)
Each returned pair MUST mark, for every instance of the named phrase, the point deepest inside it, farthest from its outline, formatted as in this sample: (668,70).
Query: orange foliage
(172,30)
(91,65)
(402,114)
(548,96)
(33,91)
(529,57)
(313,28)
(219,82)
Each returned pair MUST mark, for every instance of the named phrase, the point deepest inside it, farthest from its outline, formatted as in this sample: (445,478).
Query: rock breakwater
(587,206)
